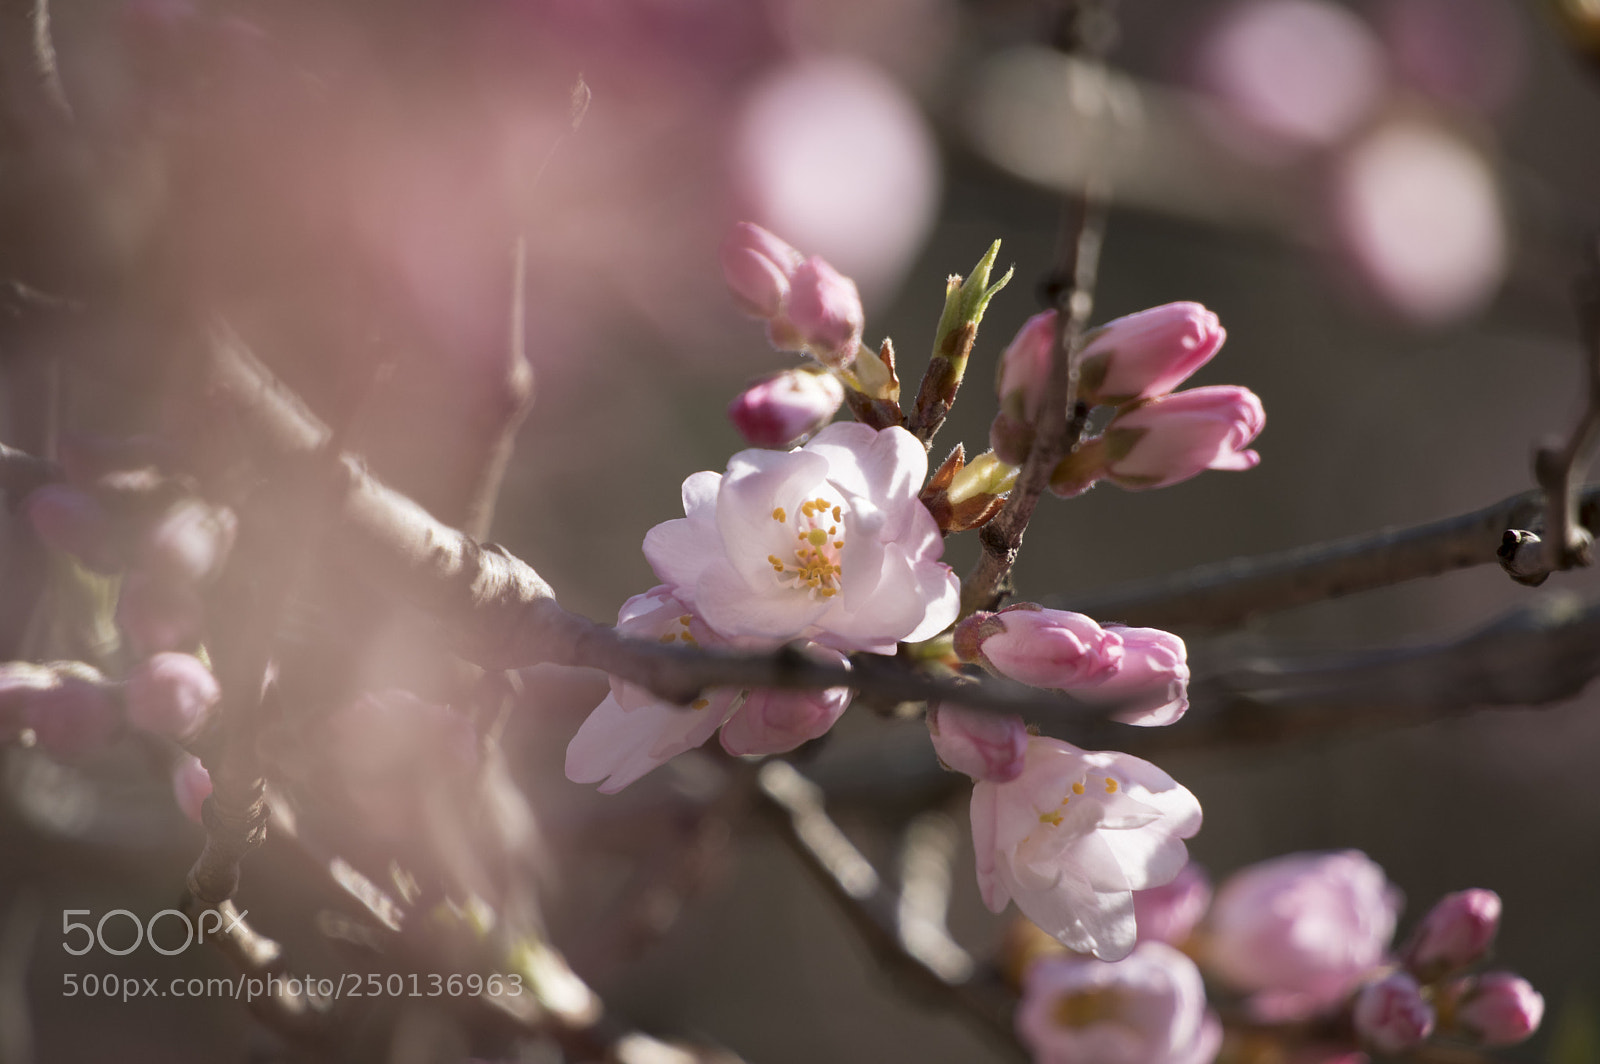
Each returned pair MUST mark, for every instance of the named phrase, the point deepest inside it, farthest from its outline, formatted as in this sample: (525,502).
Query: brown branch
(1223,594)
(795,806)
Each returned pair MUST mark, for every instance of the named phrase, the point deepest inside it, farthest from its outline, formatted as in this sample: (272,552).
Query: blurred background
(1385,203)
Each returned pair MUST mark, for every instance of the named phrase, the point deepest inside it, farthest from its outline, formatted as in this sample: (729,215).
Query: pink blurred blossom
(191,786)
(758,267)
(73,718)
(1148,1008)
(1301,931)
(1499,1008)
(1171,912)
(1418,215)
(157,614)
(985,746)
(1456,932)
(837,157)
(171,694)
(1465,53)
(779,410)
(1296,73)
(1391,1014)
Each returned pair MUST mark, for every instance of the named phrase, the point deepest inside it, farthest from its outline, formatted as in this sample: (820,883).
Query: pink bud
(758,267)
(779,410)
(1170,913)
(825,312)
(191,786)
(1024,367)
(1454,934)
(1163,441)
(170,694)
(190,542)
(1147,354)
(73,718)
(775,722)
(69,520)
(158,614)
(1500,1009)
(1153,677)
(1040,647)
(1391,1015)
(985,746)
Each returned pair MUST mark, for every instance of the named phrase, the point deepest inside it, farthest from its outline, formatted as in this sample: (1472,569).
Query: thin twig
(797,811)
(1223,594)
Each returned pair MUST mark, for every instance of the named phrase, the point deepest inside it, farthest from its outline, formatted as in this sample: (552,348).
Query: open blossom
(985,746)
(828,542)
(779,410)
(1143,355)
(632,731)
(1074,836)
(1303,930)
(1163,441)
(1149,1008)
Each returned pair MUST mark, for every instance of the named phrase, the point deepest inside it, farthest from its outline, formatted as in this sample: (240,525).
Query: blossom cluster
(1300,939)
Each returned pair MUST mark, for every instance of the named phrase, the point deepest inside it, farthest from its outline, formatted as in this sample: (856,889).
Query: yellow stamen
(836,513)
(700,703)
(780,514)
(1111,785)
(669,637)
(1077,788)
(1050,818)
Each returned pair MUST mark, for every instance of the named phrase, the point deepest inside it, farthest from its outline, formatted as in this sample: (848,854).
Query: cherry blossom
(827,542)
(1074,836)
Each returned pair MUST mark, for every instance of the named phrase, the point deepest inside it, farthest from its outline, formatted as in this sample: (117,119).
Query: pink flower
(781,409)
(828,542)
(1303,930)
(75,716)
(1148,354)
(1171,912)
(1391,1015)
(1499,1008)
(1456,932)
(190,542)
(191,786)
(170,694)
(1040,647)
(758,267)
(1153,676)
(985,746)
(632,731)
(1149,1008)
(825,312)
(775,722)
(1163,441)
(1024,368)
(1074,836)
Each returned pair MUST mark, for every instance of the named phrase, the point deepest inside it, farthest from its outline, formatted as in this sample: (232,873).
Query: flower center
(815,565)
(1086,1007)
(1079,789)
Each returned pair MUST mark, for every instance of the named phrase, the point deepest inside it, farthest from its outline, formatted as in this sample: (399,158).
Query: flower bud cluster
(1156,437)
(71,710)
(807,304)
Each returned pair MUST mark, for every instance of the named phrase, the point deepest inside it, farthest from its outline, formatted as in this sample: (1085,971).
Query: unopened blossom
(1147,354)
(1391,1015)
(189,542)
(70,520)
(825,313)
(1074,836)
(170,694)
(1456,932)
(985,746)
(757,266)
(1163,441)
(1043,648)
(827,542)
(1498,1008)
(777,721)
(1152,678)
(1024,369)
(1170,913)
(779,410)
(1149,1008)
(633,730)
(191,786)
(1301,931)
